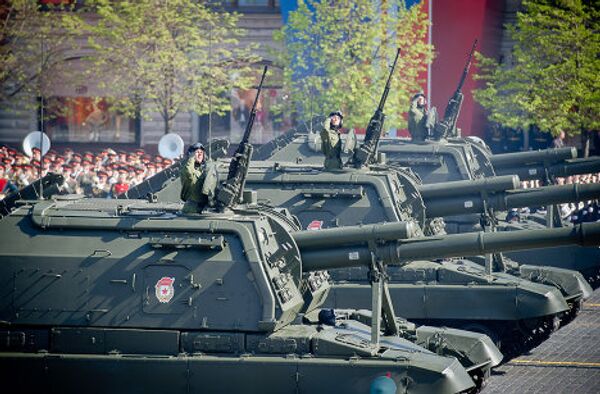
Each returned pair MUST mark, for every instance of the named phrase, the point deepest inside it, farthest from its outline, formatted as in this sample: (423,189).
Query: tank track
(512,338)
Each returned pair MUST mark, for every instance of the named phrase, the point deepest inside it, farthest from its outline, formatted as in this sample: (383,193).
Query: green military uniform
(192,178)
(331,145)
(417,120)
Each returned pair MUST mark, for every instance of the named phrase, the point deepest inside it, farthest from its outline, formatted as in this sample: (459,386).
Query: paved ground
(569,362)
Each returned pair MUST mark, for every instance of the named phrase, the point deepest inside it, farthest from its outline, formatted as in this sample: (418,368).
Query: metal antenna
(41,196)
(310,92)
(210,93)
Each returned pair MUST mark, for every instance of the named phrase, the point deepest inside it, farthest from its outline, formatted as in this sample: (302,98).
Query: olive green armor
(192,180)
(331,145)
(417,118)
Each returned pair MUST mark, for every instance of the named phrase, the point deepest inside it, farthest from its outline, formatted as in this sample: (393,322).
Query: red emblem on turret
(315,225)
(164,289)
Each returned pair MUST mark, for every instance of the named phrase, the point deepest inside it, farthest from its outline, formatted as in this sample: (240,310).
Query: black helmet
(341,115)
(194,147)
(338,113)
(416,96)
(327,317)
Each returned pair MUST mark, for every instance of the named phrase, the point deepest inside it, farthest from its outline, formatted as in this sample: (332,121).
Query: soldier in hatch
(331,142)
(417,118)
(193,174)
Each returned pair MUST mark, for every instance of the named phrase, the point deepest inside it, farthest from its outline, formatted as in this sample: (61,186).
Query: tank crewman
(417,118)
(193,174)
(331,142)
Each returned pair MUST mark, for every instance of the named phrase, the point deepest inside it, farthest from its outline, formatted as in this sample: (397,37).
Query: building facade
(89,120)
(76,114)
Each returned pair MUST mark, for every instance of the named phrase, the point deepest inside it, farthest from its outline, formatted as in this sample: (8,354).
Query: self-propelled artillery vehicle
(129,294)
(133,295)
(513,310)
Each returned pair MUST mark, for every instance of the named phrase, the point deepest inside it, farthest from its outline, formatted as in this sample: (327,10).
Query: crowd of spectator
(502,139)
(584,211)
(103,174)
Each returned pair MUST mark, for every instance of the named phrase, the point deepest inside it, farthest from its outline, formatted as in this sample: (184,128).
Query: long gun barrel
(489,185)
(447,126)
(501,200)
(231,190)
(365,153)
(544,156)
(563,169)
(318,256)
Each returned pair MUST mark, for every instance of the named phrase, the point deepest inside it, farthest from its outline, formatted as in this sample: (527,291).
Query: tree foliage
(336,56)
(552,81)
(33,47)
(171,56)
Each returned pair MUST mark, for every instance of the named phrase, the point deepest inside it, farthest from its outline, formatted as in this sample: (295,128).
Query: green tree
(552,81)
(165,56)
(33,48)
(336,56)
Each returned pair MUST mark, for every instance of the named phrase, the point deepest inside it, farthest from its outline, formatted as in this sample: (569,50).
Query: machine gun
(232,188)
(365,153)
(447,127)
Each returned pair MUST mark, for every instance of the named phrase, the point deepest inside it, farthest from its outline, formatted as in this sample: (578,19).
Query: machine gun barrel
(447,126)
(365,153)
(506,199)
(388,83)
(252,115)
(231,189)
(465,72)
(541,172)
(544,156)
(360,253)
